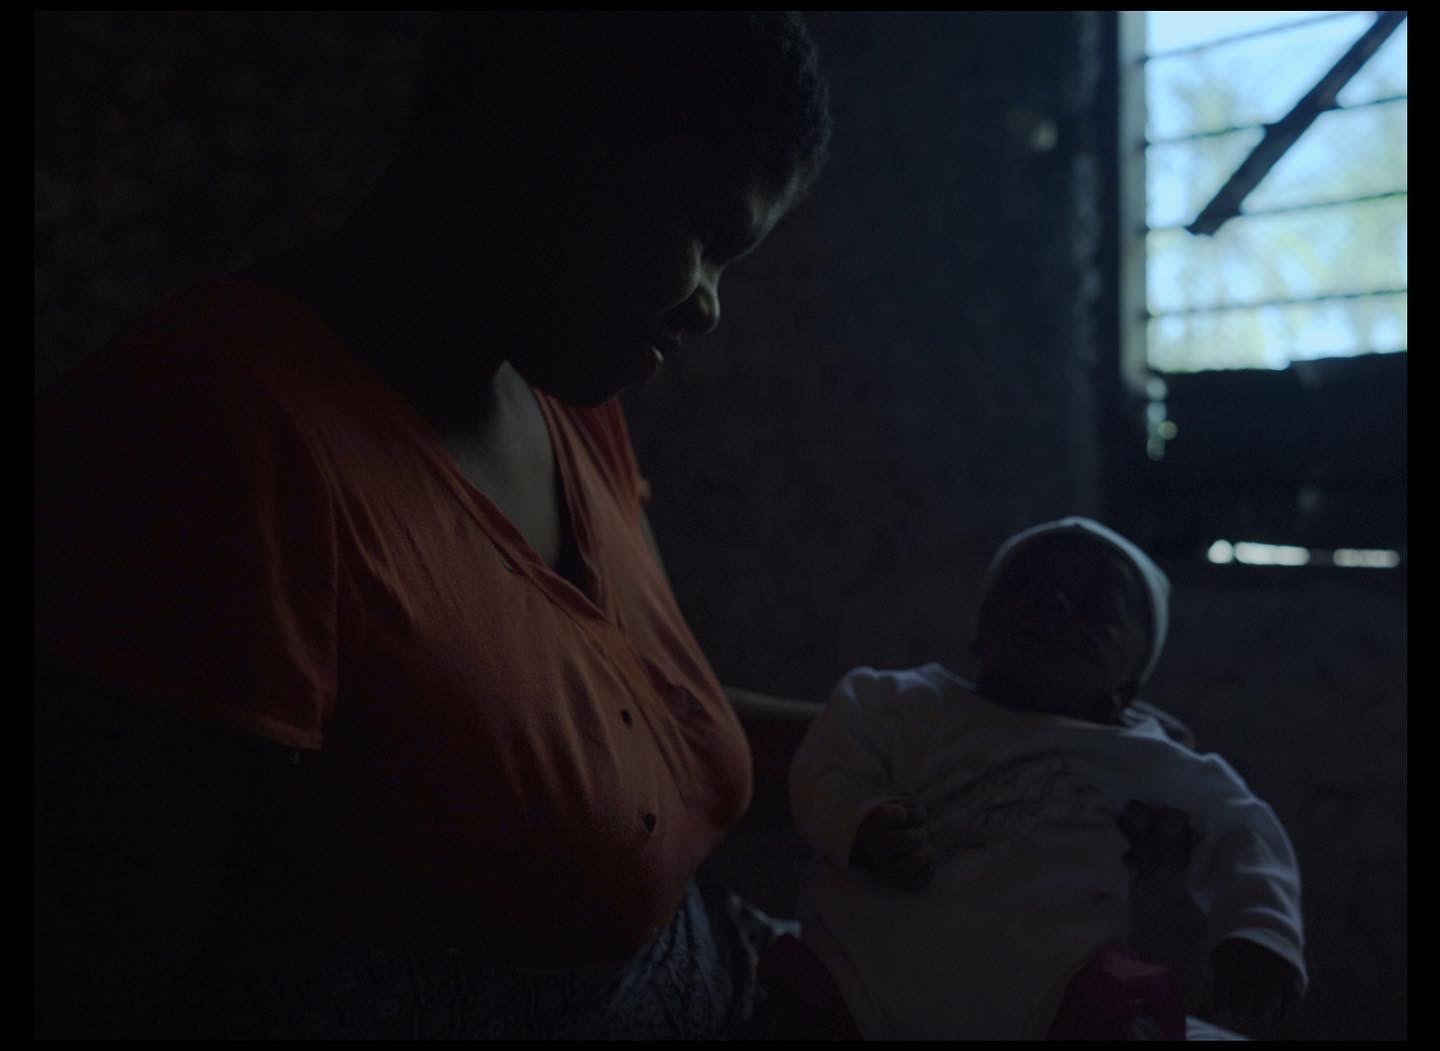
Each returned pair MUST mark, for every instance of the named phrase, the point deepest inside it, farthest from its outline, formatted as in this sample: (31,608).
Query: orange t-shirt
(239,521)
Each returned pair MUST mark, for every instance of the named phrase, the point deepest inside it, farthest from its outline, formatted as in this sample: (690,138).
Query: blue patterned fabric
(696,981)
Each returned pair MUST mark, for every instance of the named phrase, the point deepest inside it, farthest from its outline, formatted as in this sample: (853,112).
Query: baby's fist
(893,843)
(1252,983)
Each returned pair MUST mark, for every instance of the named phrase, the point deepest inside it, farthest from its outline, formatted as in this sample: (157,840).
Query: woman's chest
(472,676)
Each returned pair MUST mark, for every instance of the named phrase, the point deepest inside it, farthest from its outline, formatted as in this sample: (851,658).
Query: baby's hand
(894,844)
(1252,983)
(1161,839)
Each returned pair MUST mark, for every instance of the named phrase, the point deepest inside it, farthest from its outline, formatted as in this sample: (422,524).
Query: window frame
(1178,470)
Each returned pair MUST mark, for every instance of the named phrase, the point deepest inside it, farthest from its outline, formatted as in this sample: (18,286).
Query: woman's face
(624,263)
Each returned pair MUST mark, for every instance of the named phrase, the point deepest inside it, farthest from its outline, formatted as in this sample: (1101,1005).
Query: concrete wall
(171,147)
(900,380)
(904,376)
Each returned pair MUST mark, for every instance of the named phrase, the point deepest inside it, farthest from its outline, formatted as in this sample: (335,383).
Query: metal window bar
(1329,355)
(1286,209)
(1219,308)
(1218,132)
(1133,63)
(1282,27)
(1282,135)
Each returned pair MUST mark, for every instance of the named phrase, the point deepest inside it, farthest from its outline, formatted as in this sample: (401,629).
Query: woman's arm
(774,726)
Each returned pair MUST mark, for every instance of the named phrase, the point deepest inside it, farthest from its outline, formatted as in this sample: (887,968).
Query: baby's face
(1067,619)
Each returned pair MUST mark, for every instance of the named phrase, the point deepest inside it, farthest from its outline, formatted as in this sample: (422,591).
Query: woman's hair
(748,79)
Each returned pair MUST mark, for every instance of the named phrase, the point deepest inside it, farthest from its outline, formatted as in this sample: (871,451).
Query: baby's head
(1071,620)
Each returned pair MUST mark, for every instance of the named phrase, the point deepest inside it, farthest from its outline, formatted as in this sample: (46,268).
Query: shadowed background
(919,363)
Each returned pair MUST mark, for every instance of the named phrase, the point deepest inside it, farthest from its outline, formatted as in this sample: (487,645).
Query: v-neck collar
(592,598)
(574,506)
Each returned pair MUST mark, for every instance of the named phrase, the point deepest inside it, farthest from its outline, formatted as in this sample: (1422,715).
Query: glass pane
(1272,337)
(1167,30)
(1386,74)
(1247,82)
(1349,248)
(1346,153)
(1181,178)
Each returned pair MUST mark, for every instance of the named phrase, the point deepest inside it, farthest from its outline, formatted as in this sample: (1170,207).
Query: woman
(362,529)
(365,709)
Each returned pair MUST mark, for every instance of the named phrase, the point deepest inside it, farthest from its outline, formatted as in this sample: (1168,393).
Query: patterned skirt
(697,980)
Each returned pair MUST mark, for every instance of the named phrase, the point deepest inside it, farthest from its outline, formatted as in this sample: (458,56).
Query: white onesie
(1030,879)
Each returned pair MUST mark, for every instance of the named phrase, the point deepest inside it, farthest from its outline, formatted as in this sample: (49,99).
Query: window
(1264,322)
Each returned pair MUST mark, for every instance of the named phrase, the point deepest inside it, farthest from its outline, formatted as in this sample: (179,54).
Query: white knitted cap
(1157,584)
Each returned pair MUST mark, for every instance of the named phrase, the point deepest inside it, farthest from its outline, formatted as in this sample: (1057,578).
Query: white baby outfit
(1030,880)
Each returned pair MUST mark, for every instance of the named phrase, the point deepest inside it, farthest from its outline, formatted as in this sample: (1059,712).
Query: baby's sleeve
(842,767)
(1244,874)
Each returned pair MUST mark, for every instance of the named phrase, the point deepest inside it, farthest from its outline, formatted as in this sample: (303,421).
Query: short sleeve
(185,542)
(1244,873)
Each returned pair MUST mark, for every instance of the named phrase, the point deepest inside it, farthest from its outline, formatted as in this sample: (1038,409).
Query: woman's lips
(660,347)
(657,362)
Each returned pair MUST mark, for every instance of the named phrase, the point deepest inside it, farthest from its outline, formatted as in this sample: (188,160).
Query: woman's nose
(707,308)
(701,312)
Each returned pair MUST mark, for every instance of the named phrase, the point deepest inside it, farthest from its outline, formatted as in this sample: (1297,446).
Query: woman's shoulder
(189,410)
(241,324)
(226,357)
(207,327)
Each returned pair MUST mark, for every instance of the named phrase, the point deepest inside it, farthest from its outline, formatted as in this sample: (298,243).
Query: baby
(971,881)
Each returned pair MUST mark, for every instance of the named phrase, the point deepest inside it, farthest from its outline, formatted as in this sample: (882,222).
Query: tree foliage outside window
(1316,263)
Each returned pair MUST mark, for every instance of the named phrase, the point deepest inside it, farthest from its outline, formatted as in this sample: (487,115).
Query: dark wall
(904,376)
(1301,682)
(171,147)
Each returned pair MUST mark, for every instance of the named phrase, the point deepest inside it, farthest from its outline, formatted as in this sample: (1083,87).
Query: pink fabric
(238,520)
(808,1004)
(1106,997)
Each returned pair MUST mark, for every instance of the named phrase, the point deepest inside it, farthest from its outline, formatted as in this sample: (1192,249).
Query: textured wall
(900,379)
(903,377)
(1301,682)
(172,147)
